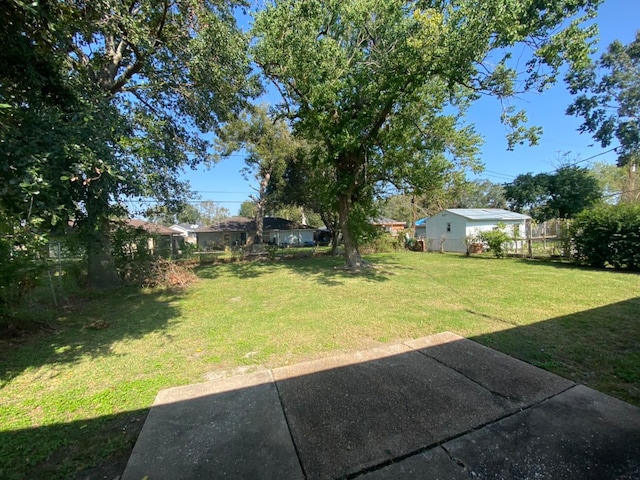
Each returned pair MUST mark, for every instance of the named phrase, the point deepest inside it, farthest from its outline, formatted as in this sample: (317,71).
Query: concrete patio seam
(286,419)
(444,441)
(457,461)
(471,379)
(485,387)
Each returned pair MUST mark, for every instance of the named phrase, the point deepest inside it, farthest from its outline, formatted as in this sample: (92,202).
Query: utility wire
(491,173)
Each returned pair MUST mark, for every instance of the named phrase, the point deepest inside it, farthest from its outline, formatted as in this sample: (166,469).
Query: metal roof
(487,214)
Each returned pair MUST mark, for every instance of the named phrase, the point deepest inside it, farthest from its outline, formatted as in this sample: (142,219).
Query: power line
(219,191)
(195,202)
(499,175)
(591,157)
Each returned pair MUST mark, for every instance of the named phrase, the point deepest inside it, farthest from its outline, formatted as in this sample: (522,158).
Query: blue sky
(617,20)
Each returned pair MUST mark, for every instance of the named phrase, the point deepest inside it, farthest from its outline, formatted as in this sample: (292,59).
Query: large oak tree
(269,147)
(383,84)
(147,79)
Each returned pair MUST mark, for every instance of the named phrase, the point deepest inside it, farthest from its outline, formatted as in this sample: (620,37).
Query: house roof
(244,224)
(385,221)
(186,227)
(149,227)
(487,214)
(420,222)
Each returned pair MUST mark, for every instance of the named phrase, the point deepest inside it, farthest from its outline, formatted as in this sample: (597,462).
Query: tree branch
(161,23)
(129,72)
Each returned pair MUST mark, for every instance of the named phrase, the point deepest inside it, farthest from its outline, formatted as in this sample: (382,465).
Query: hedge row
(608,235)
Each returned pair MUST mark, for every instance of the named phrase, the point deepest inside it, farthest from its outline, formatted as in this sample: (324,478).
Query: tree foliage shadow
(89,328)
(239,269)
(570,265)
(326,270)
(599,347)
(559,263)
(84,449)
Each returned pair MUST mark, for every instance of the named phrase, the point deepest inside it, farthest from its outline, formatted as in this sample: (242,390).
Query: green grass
(73,399)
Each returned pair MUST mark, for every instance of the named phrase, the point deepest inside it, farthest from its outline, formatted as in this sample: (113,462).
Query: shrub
(272,251)
(21,264)
(608,235)
(382,243)
(496,239)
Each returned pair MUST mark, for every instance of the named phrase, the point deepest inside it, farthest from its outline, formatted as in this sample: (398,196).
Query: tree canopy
(383,85)
(269,145)
(561,194)
(608,99)
(105,101)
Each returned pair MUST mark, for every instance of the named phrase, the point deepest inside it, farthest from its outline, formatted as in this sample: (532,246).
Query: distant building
(449,229)
(388,225)
(239,231)
(187,231)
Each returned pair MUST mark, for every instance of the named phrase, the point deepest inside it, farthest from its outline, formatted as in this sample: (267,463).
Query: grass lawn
(73,399)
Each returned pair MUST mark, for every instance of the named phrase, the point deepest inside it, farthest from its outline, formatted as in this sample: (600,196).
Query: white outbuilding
(451,229)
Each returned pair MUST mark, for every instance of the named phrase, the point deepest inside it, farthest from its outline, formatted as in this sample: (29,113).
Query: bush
(20,267)
(608,235)
(382,243)
(496,239)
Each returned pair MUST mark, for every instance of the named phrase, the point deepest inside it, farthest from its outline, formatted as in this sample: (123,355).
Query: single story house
(160,239)
(388,225)
(187,231)
(240,231)
(450,229)
(154,238)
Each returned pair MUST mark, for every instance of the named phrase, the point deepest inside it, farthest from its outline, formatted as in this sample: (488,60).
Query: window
(448,227)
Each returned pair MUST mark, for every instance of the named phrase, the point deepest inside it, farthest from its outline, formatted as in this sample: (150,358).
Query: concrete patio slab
(351,418)
(232,428)
(579,434)
(441,407)
(519,382)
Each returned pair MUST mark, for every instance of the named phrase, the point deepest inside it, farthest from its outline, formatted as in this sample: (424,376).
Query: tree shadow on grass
(239,269)
(599,347)
(95,448)
(326,270)
(569,265)
(89,329)
(550,262)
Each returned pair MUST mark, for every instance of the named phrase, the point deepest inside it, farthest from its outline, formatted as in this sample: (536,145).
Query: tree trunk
(257,238)
(262,200)
(335,241)
(332,223)
(351,254)
(101,268)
